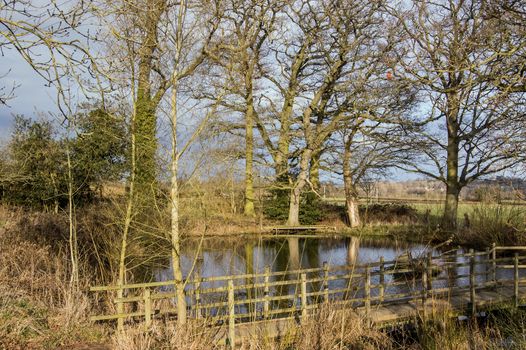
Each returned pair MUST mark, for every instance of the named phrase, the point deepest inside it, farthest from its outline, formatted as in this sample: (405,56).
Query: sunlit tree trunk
(295,195)
(314,176)
(249,146)
(73,245)
(130,200)
(174,167)
(351,195)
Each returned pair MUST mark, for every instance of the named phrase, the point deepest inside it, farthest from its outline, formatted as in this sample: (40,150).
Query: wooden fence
(230,300)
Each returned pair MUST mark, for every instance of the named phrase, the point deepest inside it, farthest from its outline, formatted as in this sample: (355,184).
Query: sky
(31,94)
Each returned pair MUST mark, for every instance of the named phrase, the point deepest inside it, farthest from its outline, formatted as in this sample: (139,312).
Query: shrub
(276,207)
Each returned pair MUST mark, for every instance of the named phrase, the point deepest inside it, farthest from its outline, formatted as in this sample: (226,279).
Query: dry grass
(335,329)
(327,330)
(440,330)
(194,336)
(494,223)
(38,307)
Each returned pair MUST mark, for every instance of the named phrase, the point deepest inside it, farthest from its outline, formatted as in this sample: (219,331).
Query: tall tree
(247,26)
(467,130)
(343,69)
(142,33)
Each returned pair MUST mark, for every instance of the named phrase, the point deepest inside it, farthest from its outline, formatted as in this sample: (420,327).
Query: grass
(479,224)
(327,330)
(38,307)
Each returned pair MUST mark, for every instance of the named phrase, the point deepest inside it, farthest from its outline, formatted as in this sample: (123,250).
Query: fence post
(382,279)
(488,259)
(326,281)
(425,285)
(266,293)
(197,295)
(231,315)
(516,280)
(413,288)
(429,272)
(472,282)
(452,272)
(367,290)
(425,288)
(120,309)
(494,263)
(147,308)
(303,295)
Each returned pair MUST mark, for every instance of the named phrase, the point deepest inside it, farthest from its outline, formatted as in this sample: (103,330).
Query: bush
(389,213)
(35,173)
(494,223)
(277,206)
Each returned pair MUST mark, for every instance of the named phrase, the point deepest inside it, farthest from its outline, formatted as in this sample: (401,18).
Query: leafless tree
(343,68)
(467,129)
(247,26)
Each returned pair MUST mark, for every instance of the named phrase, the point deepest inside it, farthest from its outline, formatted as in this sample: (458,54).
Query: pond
(220,257)
(225,257)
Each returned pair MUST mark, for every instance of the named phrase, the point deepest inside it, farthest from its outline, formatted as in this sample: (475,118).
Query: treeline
(300,90)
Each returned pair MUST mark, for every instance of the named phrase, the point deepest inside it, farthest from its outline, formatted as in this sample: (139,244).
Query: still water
(219,257)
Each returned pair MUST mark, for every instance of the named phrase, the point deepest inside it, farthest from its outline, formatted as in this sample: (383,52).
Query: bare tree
(53,41)
(467,129)
(343,70)
(247,27)
(142,30)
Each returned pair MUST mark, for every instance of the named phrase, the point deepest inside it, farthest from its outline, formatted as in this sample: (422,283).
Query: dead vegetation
(38,308)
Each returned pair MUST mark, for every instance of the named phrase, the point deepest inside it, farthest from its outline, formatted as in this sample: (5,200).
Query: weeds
(38,309)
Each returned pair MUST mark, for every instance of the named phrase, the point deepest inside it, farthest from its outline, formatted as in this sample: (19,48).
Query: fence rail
(274,294)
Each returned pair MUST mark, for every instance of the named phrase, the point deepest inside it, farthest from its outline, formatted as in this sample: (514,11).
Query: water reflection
(352,250)
(219,257)
(285,256)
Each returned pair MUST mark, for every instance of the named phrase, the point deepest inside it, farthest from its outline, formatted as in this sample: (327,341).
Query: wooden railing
(229,300)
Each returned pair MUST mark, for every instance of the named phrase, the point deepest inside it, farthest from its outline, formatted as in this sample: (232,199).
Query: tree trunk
(314,176)
(351,195)
(449,220)
(353,214)
(294,203)
(174,190)
(294,208)
(73,244)
(249,137)
(145,108)
(130,201)
(281,162)
(145,125)
(249,158)
(175,234)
